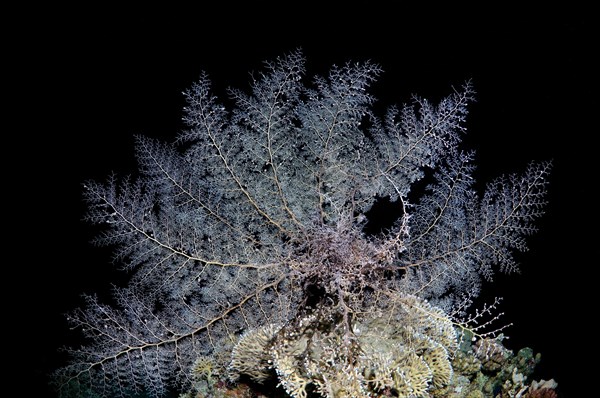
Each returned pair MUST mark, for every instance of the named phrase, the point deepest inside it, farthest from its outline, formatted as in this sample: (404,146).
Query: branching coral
(253,229)
(250,356)
(406,352)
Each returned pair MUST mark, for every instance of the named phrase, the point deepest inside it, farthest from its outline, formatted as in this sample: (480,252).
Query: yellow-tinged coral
(203,368)
(250,356)
(465,363)
(405,353)
(380,374)
(419,317)
(441,368)
(290,377)
(413,346)
(413,378)
(342,382)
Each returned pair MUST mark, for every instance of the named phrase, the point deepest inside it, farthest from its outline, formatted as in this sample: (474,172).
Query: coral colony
(257,267)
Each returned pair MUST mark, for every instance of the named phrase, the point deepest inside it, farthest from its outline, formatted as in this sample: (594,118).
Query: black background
(87,80)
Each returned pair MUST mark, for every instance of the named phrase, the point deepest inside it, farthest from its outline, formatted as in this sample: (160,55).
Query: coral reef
(414,350)
(251,356)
